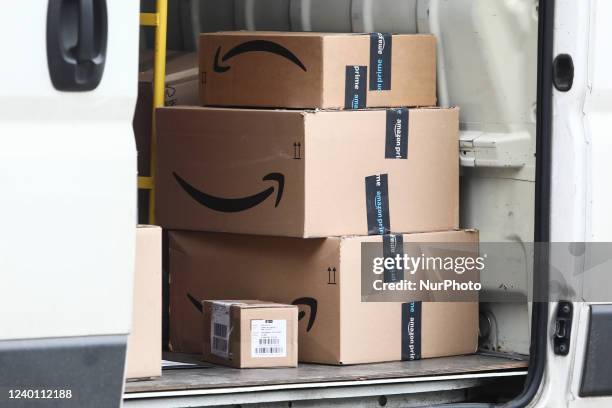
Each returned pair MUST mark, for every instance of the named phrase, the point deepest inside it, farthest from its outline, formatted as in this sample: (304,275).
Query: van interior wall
(488,67)
(487,57)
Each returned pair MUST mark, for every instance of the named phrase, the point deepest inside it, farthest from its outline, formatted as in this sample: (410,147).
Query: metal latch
(563,328)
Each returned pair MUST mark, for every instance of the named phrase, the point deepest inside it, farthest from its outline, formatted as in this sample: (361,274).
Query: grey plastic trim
(596,369)
(91,368)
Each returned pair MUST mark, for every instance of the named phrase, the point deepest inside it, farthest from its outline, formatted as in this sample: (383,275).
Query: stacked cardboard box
(249,333)
(275,204)
(143,351)
(322,276)
(313,70)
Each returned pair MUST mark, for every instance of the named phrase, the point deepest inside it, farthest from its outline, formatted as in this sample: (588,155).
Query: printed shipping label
(268,338)
(355,87)
(219,329)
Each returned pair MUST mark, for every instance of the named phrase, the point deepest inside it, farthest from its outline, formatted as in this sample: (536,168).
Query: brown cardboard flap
(251,304)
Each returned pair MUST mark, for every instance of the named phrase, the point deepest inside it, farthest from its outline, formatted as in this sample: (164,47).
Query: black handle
(85,43)
(77,32)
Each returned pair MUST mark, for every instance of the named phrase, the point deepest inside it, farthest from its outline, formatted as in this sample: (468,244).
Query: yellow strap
(145,183)
(159,89)
(149,19)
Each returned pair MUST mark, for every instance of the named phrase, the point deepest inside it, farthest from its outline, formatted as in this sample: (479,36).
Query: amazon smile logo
(233,205)
(255,46)
(381,43)
(197,304)
(311,304)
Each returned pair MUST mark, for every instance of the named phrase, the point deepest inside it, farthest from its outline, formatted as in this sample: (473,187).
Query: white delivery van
(532,79)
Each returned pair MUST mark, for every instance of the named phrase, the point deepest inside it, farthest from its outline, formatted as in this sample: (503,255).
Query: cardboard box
(315,70)
(322,276)
(144,342)
(181,89)
(250,333)
(182,79)
(308,173)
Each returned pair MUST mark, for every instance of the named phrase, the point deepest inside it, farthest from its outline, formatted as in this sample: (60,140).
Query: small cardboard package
(144,342)
(308,173)
(316,70)
(250,333)
(323,277)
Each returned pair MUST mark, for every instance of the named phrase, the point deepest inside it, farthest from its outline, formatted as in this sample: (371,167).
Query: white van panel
(487,65)
(68,178)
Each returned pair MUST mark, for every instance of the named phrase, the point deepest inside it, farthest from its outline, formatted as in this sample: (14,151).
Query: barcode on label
(268,338)
(268,350)
(220,330)
(269,342)
(219,344)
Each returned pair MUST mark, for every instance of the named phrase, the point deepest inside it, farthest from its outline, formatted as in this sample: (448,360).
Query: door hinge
(563,328)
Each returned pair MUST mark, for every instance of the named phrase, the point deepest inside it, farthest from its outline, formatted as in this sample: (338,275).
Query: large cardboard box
(308,173)
(323,277)
(314,70)
(250,333)
(144,342)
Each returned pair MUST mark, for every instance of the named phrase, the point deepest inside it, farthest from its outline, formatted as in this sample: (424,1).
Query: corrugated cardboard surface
(241,314)
(343,330)
(144,342)
(413,70)
(182,88)
(180,68)
(324,158)
(448,328)
(265,79)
